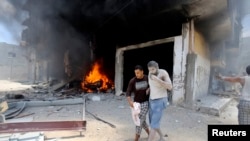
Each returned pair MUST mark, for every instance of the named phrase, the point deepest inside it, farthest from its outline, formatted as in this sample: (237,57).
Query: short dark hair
(153,64)
(248,69)
(138,67)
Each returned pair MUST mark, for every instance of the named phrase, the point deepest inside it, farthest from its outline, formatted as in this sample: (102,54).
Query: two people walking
(151,93)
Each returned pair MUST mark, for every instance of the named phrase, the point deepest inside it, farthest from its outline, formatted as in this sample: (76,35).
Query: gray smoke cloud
(53,31)
(242,60)
(11,18)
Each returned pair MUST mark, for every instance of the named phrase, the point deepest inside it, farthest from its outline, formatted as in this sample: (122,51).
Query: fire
(96,80)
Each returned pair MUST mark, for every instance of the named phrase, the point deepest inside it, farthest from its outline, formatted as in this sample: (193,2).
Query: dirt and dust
(178,123)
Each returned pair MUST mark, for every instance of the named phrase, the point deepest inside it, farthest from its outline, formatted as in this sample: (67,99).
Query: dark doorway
(162,53)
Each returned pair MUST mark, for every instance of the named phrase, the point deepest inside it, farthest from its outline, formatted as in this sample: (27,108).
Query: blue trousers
(156,107)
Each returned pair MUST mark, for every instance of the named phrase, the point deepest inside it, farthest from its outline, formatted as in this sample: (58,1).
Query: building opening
(162,53)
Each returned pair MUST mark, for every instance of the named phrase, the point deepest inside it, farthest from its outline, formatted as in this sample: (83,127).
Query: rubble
(112,109)
(16,116)
(37,136)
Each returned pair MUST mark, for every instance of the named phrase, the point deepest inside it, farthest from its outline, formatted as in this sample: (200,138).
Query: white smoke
(11,18)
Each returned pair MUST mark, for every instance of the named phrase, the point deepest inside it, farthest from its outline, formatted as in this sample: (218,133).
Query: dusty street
(178,123)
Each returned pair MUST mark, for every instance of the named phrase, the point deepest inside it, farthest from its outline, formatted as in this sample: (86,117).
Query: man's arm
(148,91)
(128,94)
(240,80)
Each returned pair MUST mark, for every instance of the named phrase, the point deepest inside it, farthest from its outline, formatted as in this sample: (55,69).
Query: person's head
(139,73)
(153,67)
(248,70)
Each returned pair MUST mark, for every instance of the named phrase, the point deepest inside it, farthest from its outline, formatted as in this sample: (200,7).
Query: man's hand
(147,91)
(164,80)
(131,104)
(219,77)
(150,75)
(154,77)
(157,79)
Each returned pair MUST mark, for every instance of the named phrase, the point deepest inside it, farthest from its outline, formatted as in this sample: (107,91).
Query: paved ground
(178,123)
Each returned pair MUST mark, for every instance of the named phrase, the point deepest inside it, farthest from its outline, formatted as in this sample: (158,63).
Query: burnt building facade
(184,36)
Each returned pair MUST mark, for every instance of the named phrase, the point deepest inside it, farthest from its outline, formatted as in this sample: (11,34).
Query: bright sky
(246,26)
(6,35)
(10,21)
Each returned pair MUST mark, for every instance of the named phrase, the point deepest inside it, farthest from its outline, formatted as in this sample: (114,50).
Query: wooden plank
(61,84)
(57,86)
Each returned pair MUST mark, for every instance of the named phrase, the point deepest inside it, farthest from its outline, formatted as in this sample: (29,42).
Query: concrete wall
(13,63)
(200,45)
(202,66)
(198,68)
(202,73)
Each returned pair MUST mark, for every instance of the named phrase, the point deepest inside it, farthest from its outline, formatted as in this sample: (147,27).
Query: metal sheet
(42,126)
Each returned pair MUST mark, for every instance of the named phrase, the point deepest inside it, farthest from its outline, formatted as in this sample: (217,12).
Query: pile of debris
(20,122)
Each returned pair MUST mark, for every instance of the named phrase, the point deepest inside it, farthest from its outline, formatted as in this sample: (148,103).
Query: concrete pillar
(119,72)
(181,48)
(31,64)
(191,36)
(190,81)
(178,71)
(190,75)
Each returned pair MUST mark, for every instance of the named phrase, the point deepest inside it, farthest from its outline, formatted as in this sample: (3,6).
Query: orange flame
(94,76)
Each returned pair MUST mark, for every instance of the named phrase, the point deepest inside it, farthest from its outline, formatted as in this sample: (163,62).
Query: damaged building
(97,43)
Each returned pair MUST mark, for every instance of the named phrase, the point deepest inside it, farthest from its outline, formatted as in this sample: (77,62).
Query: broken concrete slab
(2,118)
(213,105)
(30,136)
(98,97)
(54,102)
(61,84)
(5,137)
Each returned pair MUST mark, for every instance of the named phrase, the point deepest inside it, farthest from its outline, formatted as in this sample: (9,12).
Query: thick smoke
(53,31)
(11,16)
(240,59)
(59,28)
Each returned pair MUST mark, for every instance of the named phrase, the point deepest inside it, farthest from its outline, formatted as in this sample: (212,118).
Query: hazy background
(11,18)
